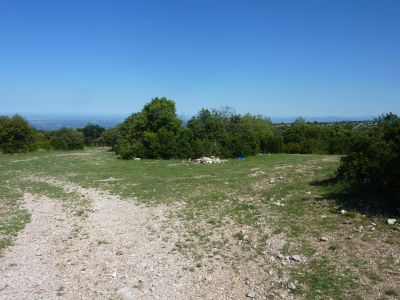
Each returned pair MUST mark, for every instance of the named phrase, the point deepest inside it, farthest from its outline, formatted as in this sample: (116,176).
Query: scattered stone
(278,203)
(114,275)
(343,212)
(291,286)
(323,239)
(296,258)
(127,293)
(119,252)
(348,222)
(251,295)
(359,229)
(208,160)
(137,158)
(308,193)
(391,221)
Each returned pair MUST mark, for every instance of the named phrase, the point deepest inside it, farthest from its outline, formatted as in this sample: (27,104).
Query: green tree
(108,137)
(16,135)
(151,133)
(374,156)
(66,139)
(91,132)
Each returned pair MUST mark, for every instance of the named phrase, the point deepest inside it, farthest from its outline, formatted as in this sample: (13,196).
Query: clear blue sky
(277,58)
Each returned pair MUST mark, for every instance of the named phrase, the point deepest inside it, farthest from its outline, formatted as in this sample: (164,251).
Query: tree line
(17,136)
(157,132)
(371,150)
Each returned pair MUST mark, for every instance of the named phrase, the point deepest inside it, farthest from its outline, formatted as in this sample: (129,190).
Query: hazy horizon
(56,121)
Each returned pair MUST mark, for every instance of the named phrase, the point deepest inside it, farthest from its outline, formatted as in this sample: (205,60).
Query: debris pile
(208,160)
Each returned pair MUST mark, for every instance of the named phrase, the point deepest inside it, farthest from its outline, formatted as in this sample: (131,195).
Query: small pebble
(291,286)
(296,258)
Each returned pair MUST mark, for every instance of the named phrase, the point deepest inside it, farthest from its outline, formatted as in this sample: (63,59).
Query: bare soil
(119,244)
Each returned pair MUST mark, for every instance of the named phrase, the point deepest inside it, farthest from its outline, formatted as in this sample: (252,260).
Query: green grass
(228,212)
(320,279)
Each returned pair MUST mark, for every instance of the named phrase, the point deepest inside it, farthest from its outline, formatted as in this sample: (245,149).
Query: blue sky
(276,58)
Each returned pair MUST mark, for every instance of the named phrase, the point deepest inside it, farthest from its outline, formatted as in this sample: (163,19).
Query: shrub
(16,135)
(108,137)
(91,132)
(66,139)
(374,156)
(151,133)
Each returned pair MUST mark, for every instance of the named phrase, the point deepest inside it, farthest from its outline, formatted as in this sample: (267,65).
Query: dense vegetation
(16,135)
(62,139)
(374,156)
(91,133)
(157,132)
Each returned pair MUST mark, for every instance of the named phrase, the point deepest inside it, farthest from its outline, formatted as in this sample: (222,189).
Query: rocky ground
(119,250)
(86,225)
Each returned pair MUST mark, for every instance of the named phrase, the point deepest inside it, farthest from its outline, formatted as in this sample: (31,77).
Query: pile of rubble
(208,160)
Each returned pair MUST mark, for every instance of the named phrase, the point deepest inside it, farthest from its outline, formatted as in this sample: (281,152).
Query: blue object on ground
(240,158)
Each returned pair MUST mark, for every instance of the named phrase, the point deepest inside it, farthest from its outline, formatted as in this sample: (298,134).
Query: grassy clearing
(234,213)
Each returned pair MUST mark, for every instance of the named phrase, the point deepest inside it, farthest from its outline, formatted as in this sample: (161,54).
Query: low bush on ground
(62,139)
(374,156)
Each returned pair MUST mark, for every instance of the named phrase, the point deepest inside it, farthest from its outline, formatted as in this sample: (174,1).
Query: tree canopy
(16,135)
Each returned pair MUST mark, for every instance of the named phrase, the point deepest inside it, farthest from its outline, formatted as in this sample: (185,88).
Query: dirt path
(121,250)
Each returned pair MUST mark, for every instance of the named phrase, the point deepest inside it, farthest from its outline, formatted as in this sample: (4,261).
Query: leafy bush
(16,135)
(374,156)
(108,137)
(91,133)
(225,133)
(302,137)
(66,139)
(156,132)
(151,133)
